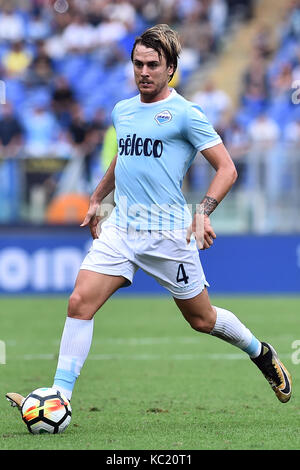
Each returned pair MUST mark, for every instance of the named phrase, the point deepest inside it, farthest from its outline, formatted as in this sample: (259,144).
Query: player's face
(151,73)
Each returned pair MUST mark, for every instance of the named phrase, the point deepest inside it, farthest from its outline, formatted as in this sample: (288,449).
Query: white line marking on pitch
(144,341)
(147,357)
(147,340)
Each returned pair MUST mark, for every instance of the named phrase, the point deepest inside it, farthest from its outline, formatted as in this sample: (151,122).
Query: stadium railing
(265,198)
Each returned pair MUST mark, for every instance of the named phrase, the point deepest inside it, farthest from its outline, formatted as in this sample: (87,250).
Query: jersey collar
(171,95)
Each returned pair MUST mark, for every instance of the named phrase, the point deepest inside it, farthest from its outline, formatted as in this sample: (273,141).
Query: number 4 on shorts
(181,274)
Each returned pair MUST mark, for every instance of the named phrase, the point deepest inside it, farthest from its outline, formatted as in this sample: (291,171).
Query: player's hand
(202,231)
(92,220)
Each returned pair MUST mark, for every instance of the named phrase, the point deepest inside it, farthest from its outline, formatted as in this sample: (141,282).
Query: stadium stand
(252,91)
(62,63)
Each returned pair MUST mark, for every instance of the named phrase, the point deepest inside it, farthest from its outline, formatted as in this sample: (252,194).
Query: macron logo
(126,117)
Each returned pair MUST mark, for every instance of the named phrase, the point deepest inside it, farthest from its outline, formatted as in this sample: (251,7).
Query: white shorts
(164,255)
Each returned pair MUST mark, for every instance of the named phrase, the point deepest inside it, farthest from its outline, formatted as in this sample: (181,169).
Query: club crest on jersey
(163,117)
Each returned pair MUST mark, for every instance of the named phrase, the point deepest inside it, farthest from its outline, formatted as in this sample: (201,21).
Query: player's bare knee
(76,307)
(203,324)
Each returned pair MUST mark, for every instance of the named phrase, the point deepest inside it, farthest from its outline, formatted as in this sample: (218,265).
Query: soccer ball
(46,410)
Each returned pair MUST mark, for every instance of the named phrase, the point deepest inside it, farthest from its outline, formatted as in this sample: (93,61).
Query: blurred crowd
(65,63)
(267,118)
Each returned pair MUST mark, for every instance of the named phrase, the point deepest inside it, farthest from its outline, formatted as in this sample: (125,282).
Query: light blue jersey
(157,143)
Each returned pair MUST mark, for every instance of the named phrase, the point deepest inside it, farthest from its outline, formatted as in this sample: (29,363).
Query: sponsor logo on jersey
(163,117)
(134,145)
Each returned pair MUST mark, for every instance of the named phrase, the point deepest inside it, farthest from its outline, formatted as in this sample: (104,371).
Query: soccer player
(159,134)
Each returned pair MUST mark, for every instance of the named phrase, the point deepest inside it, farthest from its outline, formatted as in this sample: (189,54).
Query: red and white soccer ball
(46,410)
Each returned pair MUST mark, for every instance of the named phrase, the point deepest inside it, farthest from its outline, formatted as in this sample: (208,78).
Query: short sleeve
(113,116)
(199,131)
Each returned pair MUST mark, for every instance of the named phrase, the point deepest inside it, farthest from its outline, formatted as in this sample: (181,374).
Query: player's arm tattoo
(207,205)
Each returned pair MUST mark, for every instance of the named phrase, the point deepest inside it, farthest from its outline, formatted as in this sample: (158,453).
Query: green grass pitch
(150,381)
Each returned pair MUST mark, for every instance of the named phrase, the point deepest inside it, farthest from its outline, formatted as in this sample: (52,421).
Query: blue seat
(280,110)
(73,66)
(15,91)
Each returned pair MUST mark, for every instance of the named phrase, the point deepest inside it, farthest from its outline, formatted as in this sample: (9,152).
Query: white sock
(74,348)
(229,328)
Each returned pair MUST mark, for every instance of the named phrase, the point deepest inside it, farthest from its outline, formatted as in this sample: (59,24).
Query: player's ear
(170,71)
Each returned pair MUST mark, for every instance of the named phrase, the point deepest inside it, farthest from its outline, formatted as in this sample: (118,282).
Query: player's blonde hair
(163,40)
